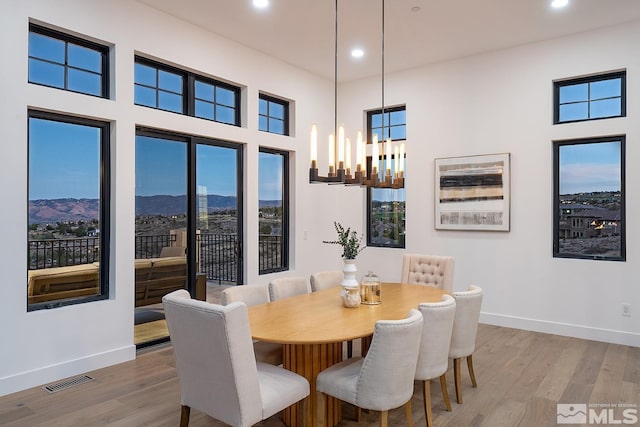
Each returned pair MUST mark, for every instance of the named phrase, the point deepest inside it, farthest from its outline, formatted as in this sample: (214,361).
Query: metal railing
(269,253)
(218,254)
(48,253)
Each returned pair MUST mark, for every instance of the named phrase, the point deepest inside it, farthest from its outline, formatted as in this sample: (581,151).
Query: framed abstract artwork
(472,193)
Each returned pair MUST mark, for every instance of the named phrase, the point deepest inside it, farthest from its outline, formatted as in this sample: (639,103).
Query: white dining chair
(430,270)
(285,287)
(216,366)
(383,379)
(266,352)
(433,360)
(465,329)
(325,279)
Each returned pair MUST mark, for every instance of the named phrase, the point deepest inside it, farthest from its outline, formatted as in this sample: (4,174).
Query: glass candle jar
(370,289)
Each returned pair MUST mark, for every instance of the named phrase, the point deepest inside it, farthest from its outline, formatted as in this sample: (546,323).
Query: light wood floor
(521,376)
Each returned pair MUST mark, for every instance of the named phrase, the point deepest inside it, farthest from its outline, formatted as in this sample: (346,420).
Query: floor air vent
(68,383)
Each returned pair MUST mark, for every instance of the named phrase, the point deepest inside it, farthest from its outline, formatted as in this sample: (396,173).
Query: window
(66,62)
(590,98)
(68,197)
(159,88)
(395,124)
(273,210)
(273,115)
(171,89)
(589,199)
(386,207)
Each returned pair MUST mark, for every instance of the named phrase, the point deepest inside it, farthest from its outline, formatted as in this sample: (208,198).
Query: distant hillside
(54,210)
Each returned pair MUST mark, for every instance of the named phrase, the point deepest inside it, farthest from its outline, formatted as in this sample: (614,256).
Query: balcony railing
(218,254)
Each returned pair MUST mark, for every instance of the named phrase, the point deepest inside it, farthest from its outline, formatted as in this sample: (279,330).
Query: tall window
(168,88)
(66,62)
(589,98)
(589,199)
(386,207)
(68,196)
(273,115)
(273,210)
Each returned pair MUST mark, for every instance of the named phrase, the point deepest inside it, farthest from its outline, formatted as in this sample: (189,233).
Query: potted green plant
(351,246)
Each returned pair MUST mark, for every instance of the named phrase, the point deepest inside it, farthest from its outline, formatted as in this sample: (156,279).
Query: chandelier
(384,160)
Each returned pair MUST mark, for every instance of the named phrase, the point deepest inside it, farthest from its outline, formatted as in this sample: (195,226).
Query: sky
(64,162)
(590,167)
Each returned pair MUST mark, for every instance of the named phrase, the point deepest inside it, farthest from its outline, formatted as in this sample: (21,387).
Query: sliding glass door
(187,225)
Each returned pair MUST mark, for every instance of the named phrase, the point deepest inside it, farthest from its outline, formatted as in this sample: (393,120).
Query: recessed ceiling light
(261,4)
(416,9)
(357,53)
(557,4)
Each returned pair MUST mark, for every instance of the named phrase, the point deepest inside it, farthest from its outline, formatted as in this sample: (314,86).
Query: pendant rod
(335,79)
(382,61)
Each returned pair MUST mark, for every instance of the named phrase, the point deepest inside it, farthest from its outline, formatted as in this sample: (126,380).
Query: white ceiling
(301,32)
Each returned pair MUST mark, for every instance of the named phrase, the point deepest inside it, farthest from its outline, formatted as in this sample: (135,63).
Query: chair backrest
(431,270)
(214,358)
(433,359)
(286,287)
(325,279)
(465,324)
(388,370)
(248,294)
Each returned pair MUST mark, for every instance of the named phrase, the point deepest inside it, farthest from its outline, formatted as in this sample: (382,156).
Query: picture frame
(473,192)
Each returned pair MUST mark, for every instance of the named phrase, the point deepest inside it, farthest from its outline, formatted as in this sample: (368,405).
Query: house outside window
(386,207)
(67,62)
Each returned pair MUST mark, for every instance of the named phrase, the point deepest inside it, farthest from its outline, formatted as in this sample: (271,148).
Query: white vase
(349,270)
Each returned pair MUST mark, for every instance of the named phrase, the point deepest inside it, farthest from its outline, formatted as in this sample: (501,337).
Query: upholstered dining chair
(431,270)
(465,329)
(286,287)
(433,360)
(383,379)
(266,352)
(217,370)
(325,279)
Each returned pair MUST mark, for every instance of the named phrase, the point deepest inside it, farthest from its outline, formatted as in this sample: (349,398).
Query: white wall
(43,346)
(502,102)
(498,102)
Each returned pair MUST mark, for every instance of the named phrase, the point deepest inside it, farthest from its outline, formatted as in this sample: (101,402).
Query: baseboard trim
(51,373)
(564,329)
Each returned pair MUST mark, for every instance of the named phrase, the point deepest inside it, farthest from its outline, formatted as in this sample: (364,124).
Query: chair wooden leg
(321,403)
(407,411)
(184,415)
(384,419)
(445,393)
(456,374)
(471,373)
(426,398)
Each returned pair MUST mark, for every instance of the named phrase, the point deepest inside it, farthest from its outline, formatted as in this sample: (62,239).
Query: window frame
(556,196)
(189,80)
(67,38)
(285,119)
(402,242)
(387,125)
(105,203)
(557,85)
(285,210)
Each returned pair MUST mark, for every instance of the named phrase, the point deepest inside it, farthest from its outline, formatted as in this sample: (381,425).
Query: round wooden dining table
(312,328)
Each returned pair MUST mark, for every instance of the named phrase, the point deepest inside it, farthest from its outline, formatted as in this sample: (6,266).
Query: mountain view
(54,210)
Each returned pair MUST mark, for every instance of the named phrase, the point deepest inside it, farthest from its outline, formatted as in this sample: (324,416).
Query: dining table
(313,327)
